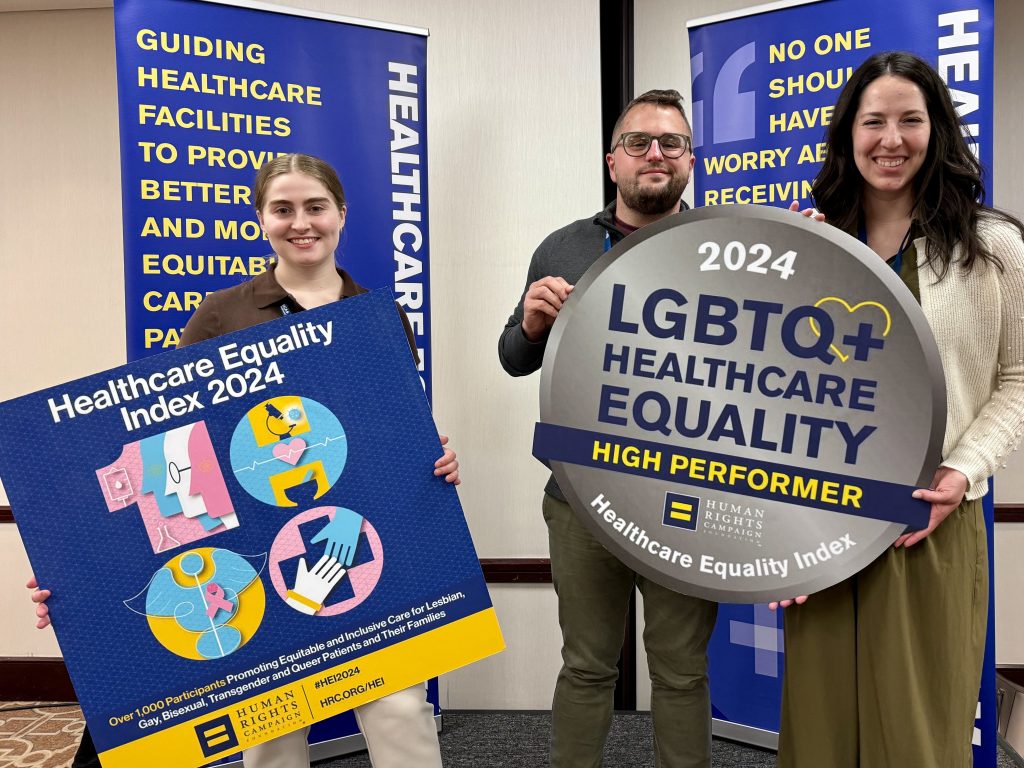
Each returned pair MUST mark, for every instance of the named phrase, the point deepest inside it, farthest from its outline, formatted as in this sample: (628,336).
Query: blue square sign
(681,511)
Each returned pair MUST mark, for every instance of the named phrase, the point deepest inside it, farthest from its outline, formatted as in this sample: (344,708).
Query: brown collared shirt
(258,301)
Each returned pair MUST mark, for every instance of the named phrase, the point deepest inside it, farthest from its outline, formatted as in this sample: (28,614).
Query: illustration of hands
(341,534)
(313,586)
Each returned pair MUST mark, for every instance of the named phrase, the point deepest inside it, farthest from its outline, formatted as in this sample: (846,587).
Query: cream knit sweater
(978,321)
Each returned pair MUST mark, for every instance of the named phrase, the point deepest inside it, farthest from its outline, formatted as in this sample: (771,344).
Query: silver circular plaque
(738,402)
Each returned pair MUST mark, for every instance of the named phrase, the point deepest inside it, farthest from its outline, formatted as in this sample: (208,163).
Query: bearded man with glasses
(650,162)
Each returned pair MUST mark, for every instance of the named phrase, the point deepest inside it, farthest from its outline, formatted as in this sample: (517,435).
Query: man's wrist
(531,339)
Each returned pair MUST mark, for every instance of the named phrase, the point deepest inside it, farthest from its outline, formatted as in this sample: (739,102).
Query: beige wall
(58,149)
(61,170)
(513,155)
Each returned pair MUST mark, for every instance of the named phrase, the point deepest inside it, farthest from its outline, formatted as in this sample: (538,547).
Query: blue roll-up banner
(208,92)
(764,84)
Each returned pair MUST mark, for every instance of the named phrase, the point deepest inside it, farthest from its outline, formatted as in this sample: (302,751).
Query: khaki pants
(593,598)
(884,668)
(399,732)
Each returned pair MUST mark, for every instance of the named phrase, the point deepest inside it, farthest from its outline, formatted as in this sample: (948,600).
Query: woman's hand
(39,597)
(800,600)
(811,213)
(947,491)
(448,464)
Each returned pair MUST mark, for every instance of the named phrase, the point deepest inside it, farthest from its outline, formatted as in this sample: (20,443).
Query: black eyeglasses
(638,143)
(174,471)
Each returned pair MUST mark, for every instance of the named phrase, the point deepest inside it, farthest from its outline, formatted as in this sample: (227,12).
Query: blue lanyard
(897,261)
(607,241)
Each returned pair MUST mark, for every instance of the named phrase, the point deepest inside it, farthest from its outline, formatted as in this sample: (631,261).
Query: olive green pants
(593,590)
(884,668)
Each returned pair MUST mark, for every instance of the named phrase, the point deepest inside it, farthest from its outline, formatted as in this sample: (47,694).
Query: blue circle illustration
(288,450)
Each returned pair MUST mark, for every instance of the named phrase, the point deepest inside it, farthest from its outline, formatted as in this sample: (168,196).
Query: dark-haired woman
(884,668)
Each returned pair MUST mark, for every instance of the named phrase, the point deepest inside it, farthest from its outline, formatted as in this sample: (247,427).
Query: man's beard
(651,201)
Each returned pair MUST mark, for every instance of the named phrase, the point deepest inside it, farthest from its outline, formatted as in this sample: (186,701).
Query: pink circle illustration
(359,580)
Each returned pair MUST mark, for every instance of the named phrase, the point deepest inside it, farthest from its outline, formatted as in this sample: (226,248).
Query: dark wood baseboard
(1005,513)
(517,570)
(1010,513)
(35,679)
(1015,674)
(46,679)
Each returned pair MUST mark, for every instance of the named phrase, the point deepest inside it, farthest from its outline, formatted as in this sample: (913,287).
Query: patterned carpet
(38,736)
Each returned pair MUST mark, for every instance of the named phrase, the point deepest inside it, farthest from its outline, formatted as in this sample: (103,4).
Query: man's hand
(947,491)
(543,300)
(39,597)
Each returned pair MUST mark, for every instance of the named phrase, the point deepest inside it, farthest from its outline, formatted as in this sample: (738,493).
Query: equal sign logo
(216,735)
(681,511)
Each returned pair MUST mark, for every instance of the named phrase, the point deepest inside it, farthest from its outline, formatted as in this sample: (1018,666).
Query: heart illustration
(290,452)
(850,309)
